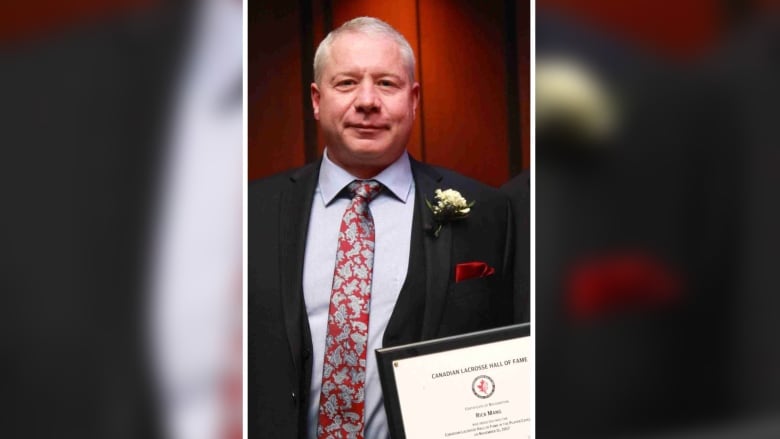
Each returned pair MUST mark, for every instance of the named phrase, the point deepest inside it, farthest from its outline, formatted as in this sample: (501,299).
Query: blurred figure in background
(122,232)
(519,191)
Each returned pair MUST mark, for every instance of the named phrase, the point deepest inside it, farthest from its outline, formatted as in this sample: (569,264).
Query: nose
(367,100)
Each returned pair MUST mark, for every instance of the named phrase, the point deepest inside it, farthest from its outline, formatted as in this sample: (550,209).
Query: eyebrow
(352,74)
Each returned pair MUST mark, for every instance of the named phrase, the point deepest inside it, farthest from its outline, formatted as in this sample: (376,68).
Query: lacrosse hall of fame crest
(483,386)
(470,385)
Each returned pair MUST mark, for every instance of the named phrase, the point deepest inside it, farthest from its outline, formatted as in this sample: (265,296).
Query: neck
(362,171)
(365,173)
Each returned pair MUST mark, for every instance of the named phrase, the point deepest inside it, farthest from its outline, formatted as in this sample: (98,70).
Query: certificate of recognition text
(480,391)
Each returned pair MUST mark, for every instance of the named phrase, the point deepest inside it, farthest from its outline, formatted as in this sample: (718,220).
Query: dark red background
(472,64)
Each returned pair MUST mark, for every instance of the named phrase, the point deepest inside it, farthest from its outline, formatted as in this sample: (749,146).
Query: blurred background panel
(472,64)
(83,102)
(677,31)
(276,97)
(656,156)
(122,129)
(20,20)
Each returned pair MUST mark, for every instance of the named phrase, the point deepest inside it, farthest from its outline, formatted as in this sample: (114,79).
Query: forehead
(357,52)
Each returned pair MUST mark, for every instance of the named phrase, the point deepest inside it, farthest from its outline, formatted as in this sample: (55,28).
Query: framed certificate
(466,386)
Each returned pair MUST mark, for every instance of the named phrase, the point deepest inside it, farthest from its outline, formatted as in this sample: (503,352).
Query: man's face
(365,103)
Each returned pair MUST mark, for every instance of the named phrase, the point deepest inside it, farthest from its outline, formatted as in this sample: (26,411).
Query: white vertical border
(244,213)
(532,147)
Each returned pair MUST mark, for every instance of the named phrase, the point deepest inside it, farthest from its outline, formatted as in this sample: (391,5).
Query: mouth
(368,130)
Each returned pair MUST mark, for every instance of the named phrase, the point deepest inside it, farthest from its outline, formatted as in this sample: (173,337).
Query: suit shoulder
(519,187)
(273,184)
(469,187)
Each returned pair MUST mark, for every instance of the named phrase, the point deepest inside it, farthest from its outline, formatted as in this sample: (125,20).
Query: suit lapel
(437,251)
(295,211)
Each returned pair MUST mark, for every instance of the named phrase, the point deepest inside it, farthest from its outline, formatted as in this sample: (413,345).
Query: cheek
(402,111)
(337,111)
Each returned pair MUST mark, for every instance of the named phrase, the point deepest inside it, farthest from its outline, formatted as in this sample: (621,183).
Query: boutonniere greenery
(450,206)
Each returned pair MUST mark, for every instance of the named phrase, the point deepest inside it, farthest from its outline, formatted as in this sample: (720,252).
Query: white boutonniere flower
(571,95)
(450,206)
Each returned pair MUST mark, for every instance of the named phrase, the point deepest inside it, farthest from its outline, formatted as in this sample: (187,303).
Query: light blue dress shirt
(392,211)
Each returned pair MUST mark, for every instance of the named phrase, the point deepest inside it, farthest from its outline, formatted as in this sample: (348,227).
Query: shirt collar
(396,178)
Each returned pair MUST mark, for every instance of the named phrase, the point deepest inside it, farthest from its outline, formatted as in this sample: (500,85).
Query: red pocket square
(472,270)
(621,281)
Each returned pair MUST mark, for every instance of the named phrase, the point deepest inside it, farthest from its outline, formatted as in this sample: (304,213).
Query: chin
(368,150)
(373,160)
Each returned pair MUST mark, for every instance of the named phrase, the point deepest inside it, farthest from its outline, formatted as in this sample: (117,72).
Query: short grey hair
(365,26)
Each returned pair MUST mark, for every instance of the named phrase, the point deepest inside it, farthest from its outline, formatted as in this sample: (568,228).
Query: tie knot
(366,189)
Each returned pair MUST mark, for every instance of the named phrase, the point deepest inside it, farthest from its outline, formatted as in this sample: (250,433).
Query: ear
(315,100)
(415,97)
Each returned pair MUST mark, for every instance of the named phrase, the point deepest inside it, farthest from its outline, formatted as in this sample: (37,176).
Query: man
(378,253)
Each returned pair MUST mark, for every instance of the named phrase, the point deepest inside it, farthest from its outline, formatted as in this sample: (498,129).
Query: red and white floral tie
(342,401)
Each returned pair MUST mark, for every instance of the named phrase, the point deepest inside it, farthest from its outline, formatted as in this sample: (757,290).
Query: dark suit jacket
(430,304)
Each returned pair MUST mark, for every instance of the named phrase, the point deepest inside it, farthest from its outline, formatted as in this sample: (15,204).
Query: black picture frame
(387,356)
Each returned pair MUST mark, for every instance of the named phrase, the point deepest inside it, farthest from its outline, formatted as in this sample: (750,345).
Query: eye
(386,83)
(345,83)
